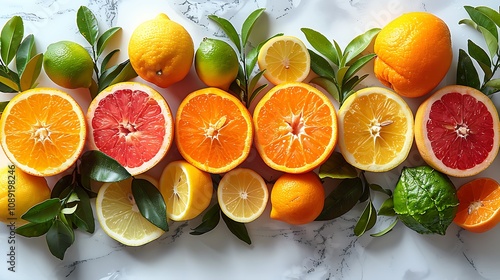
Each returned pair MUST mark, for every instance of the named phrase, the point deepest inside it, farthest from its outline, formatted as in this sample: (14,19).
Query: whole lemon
(161,51)
(68,64)
(216,63)
(19,191)
(413,53)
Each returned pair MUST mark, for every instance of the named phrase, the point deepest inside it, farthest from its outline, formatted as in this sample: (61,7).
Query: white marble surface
(320,250)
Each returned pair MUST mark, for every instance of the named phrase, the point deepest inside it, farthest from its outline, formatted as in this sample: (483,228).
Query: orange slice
(213,130)
(295,127)
(42,131)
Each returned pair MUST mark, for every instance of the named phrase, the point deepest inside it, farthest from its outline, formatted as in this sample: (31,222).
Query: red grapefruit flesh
(131,123)
(457,131)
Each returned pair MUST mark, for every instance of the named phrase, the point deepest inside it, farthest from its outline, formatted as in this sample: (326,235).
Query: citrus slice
(43,131)
(284,59)
(295,127)
(242,195)
(213,130)
(186,189)
(479,208)
(131,123)
(376,129)
(119,216)
(457,131)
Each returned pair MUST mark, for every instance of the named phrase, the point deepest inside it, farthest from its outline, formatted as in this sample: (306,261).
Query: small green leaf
(209,221)
(491,41)
(69,210)
(359,44)
(106,59)
(385,231)
(468,22)
(229,29)
(44,211)
(328,85)
(321,66)
(378,188)
(125,74)
(387,208)
(3,104)
(25,52)
(84,217)
(59,238)
(150,202)
(9,83)
(494,83)
(342,199)
(341,74)
(34,229)
(492,14)
(31,72)
(336,167)
(118,73)
(248,24)
(11,37)
(482,58)
(320,43)
(357,65)
(367,220)
(103,40)
(482,21)
(238,229)
(100,167)
(256,92)
(466,72)
(63,183)
(87,25)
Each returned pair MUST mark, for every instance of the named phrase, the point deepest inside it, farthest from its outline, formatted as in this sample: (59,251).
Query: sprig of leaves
(486,21)
(23,52)
(105,76)
(245,85)
(69,207)
(336,68)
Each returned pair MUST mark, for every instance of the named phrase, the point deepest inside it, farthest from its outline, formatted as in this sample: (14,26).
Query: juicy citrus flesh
(131,123)
(242,195)
(285,59)
(297,198)
(479,208)
(376,129)
(43,131)
(295,127)
(161,51)
(213,130)
(186,189)
(119,215)
(404,61)
(457,131)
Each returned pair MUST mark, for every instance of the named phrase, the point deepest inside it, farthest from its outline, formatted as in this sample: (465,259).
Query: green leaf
(87,25)
(336,167)
(3,105)
(150,202)
(366,188)
(341,74)
(125,74)
(103,40)
(348,87)
(385,231)
(320,43)
(100,167)
(367,220)
(466,72)
(321,66)
(11,37)
(9,83)
(31,72)
(359,44)
(69,210)
(358,64)
(209,221)
(106,59)
(59,238)
(25,52)
(491,41)
(229,29)
(248,24)
(328,85)
(256,92)
(492,14)
(44,211)
(378,188)
(84,217)
(494,83)
(481,57)
(59,187)
(387,208)
(34,229)
(342,199)
(238,229)
(482,21)
(118,73)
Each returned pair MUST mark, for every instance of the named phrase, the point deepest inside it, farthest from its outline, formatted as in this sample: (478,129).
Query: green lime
(68,64)
(425,200)
(216,63)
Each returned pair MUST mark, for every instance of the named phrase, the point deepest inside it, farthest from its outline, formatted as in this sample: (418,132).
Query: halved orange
(213,130)
(479,208)
(376,129)
(295,127)
(42,131)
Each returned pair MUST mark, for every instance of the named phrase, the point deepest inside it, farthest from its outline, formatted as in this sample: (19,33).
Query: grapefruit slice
(457,131)
(131,123)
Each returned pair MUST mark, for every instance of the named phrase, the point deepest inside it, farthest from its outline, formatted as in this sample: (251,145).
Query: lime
(68,64)
(216,63)
(425,200)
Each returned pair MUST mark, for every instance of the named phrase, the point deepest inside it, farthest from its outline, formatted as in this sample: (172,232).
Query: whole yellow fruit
(19,191)
(161,51)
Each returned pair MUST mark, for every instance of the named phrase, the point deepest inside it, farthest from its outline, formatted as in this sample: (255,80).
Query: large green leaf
(248,24)
(31,72)
(34,229)
(320,43)
(359,44)
(59,238)
(229,29)
(25,52)
(492,14)
(481,57)
(209,221)
(466,72)
(43,212)
(150,202)
(238,229)
(87,25)
(11,36)
(482,20)
(321,66)
(103,40)
(342,199)
(100,167)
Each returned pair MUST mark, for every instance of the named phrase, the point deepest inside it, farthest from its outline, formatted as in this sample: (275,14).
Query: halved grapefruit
(132,123)
(457,131)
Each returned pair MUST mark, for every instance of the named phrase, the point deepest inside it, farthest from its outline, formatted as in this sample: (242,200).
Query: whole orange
(413,53)
(297,198)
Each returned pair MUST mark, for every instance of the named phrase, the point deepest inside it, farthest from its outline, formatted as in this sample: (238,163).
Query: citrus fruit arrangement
(295,127)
